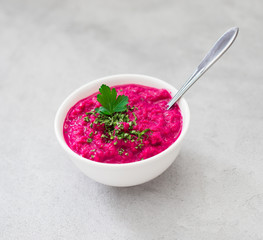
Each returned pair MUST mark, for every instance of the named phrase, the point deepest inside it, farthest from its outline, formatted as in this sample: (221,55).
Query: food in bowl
(123,124)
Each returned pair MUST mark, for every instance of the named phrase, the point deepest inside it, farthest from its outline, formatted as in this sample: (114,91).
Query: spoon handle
(220,47)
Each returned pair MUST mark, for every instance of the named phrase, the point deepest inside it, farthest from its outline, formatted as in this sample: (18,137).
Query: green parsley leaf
(102,110)
(110,102)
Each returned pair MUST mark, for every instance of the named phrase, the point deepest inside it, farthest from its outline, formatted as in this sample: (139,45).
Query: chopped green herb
(87,119)
(92,112)
(134,132)
(91,125)
(130,108)
(121,151)
(89,140)
(93,150)
(145,131)
(126,154)
(140,145)
(92,156)
(135,118)
(140,134)
(115,143)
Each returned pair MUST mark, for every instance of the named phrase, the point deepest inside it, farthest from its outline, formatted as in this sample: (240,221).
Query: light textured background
(214,190)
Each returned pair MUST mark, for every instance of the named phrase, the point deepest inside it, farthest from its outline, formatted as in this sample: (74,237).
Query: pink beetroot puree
(87,138)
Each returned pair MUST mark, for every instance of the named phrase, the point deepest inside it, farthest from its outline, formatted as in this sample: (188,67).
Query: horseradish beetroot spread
(129,127)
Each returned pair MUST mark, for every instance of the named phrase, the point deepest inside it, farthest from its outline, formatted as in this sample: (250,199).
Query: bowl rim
(64,145)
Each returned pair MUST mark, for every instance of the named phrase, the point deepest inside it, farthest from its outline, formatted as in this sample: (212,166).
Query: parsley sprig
(110,102)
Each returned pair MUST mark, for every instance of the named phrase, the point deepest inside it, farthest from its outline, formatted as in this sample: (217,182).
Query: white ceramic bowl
(127,174)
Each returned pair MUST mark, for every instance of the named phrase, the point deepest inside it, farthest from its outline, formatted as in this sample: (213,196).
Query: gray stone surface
(48,48)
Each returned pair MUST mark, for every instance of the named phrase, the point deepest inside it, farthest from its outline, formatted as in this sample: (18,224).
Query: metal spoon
(220,47)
